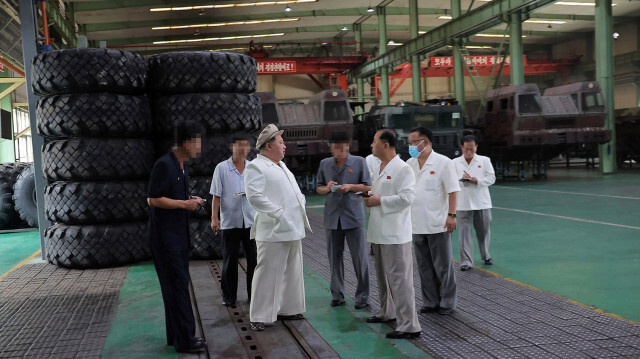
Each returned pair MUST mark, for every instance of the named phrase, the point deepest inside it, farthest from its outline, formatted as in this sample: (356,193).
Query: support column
(29,51)
(360,84)
(604,75)
(384,71)
(415,59)
(515,50)
(458,64)
(357,30)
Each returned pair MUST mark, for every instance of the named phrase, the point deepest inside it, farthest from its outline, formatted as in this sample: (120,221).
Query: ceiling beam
(473,22)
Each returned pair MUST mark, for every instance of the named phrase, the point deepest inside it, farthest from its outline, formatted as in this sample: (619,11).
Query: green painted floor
(16,247)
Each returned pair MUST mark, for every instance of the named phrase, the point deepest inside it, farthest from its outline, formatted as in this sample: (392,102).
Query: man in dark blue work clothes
(340,177)
(169,234)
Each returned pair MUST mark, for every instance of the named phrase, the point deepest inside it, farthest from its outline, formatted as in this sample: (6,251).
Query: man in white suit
(277,291)
(389,223)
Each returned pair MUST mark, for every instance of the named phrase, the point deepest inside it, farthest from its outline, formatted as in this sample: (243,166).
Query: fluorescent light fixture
(575,3)
(545,22)
(445,17)
(247,22)
(220,6)
(478,47)
(238,48)
(217,38)
(393,43)
(421,32)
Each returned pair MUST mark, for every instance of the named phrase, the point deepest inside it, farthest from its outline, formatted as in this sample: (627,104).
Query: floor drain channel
(250,342)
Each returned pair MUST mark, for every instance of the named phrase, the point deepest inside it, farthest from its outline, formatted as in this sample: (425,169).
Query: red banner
(1,68)
(276,67)
(481,60)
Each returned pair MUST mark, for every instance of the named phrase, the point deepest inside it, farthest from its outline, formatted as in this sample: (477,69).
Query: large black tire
(80,247)
(96,202)
(11,170)
(204,243)
(200,186)
(219,113)
(93,159)
(24,197)
(202,71)
(88,70)
(7,213)
(93,115)
(215,149)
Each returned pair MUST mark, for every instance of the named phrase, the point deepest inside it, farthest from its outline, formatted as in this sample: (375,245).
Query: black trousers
(231,240)
(172,267)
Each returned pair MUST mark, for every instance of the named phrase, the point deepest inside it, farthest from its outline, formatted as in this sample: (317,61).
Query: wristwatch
(452,215)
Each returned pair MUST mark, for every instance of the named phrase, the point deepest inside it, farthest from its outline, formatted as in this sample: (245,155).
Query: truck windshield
(426,120)
(592,102)
(529,104)
(448,119)
(336,111)
(400,120)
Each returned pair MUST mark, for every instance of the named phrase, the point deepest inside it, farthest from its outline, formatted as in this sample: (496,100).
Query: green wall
(7,150)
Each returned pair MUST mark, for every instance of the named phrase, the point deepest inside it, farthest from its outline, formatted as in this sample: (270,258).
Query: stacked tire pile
(214,89)
(97,155)
(17,204)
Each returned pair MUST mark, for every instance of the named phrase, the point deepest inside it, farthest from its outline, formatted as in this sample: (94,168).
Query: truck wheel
(96,202)
(202,71)
(10,171)
(219,113)
(7,213)
(92,159)
(204,243)
(93,115)
(88,70)
(200,186)
(80,247)
(215,149)
(24,197)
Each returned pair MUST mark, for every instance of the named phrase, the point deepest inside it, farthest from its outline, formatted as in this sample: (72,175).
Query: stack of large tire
(214,89)
(97,156)
(12,215)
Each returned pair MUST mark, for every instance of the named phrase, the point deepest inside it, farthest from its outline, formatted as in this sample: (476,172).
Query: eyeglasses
(415,143)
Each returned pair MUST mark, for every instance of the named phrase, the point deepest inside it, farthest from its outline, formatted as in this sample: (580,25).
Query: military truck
(443,117)
(308,127)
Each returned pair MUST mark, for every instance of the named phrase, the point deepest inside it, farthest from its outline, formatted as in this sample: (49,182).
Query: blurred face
(275,149)
(340,151)
(377,146)
(469,150)
(193,147)
(240,149)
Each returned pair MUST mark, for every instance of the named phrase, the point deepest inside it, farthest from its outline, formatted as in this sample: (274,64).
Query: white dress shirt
(389,223)
(226,183)
(273,192)
(475,196)
(434,181)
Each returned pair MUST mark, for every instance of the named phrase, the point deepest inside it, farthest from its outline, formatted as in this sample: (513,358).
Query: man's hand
(451,224)
(332,183)
(471,179)
(193,203)
(372,201)
(215,225)
(345,188)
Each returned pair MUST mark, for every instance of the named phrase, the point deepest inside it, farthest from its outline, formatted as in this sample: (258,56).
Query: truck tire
(215,149)
(93,115)
(200,186)
(202,71)
(96,202)
(11,170)
(82,247)
(219,113)
(88,70)
(24,197)
(7,212)
(92,159)
(204,243)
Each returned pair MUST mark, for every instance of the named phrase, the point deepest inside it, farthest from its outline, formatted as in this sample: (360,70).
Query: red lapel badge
(388,177)
(432,172)
(350,171)
(479,166)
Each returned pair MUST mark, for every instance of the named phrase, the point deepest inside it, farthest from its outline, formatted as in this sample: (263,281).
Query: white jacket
(390,223)
(273,192)
(474,197)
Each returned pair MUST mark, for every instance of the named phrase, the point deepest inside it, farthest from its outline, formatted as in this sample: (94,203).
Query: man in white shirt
(236,215)
(389,219)
(474,203)
(433,219)
(277,291)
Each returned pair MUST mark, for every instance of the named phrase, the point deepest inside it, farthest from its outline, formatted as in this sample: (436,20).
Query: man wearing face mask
(433,219)
(340,177)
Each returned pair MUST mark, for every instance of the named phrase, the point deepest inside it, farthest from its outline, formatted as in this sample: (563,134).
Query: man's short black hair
(468,138)
(240,137)
(389,136)
(186,130)
(423,132)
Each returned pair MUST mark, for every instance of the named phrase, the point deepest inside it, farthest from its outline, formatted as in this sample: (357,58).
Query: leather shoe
(425,310)
(291,317)
(257,326)
(488,261)
(375,319)
(361,305)
(465,268)
(336,303)
(402,335)
(445,311)
(199,345)
(228,303)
